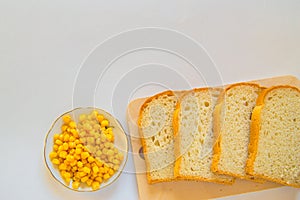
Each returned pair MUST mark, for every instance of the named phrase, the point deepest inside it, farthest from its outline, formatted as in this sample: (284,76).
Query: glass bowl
(120,143)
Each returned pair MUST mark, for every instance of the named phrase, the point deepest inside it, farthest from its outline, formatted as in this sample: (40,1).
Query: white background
(43,43)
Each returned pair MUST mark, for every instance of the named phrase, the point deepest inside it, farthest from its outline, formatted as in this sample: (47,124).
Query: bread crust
(254,135)
(217,132)
(145,104)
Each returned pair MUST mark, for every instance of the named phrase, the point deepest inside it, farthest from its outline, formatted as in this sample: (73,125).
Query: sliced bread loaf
(193,130)
(156,131)
(274,150)
(232,119)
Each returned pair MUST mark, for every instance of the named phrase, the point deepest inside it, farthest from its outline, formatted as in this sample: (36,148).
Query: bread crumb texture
(235,120)
(155,124)
(195,135)
(278,146)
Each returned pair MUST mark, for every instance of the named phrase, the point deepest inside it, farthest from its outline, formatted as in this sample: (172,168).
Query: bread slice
(194,139)
(274,150)
(156,131)
(232,118)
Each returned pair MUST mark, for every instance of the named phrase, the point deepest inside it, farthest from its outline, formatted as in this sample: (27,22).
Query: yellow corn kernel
(66,137)
(75,185)
(100,118)
(102,170)
(64,128)
(74,168)
(77,141)
(65,146)
(70,158)
(84,179)
(111,172)
(79,164)
(72,124)
(67,180)
(104,123)
(62,166)
(89,182)
(60,148)
(77,157)
(99,179)
(95,169)
(63,154)
(55,147)
(71,145)
(91,159)
(67,175)
(109,137)
(66,119)
(73,163)
(74,131)
(95,185)
(78,151)
(71,139)
(71,152)
(81,174)
(85,155)
(84,161)
(53,155)
(58,142)
(55,161)
(86,170)
(55,136)
(106,176)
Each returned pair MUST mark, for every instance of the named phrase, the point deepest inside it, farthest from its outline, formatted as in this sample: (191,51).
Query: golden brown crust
(254,135)
(217,136)
(145,104)
(217,133)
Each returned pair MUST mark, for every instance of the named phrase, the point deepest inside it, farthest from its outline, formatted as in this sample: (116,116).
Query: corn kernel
(99,179)
(72,124)
(65,146)
(55,136)
(55,147)
(64,128)
(100,118)
(53,155)
(91,159)
(63,154)
(79,164)
(55,161)
(84,179)
(106,176)
(62,166)
(81,174)
(95,185)
(89,182)
(75,185)
(69,158)
(111,172)
(104,123)
(95,169)
(58,142)
(66,137)
(66,119)
(84,155)
(87,170)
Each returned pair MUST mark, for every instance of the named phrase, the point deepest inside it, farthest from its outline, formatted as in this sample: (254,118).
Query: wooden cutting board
(190,189)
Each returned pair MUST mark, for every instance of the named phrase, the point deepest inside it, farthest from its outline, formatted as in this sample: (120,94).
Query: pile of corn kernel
(84,153)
